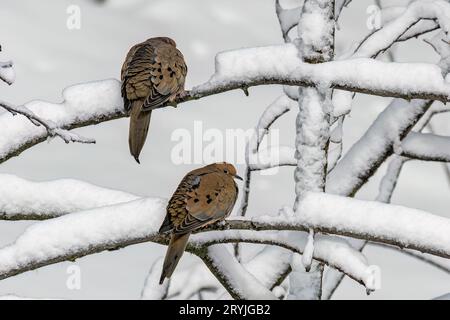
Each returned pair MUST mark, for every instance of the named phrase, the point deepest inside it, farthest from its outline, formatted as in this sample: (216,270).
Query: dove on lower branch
(152,75)
(204,196)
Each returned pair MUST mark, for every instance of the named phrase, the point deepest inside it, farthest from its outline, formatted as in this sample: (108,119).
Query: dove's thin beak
(238,177)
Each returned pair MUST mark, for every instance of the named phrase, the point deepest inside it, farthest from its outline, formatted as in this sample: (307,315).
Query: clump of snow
(7,73)
(426,146)
(21,198)
(82,103)
(78,233)
(249,63)
(308,251)
(315,30)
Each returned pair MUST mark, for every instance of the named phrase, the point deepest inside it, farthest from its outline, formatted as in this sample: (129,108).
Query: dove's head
(167,40)
(226,168)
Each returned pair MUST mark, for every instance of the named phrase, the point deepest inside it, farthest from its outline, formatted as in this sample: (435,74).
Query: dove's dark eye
(225,171)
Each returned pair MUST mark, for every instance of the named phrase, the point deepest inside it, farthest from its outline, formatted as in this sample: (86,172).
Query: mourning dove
(204,196)
(153,74)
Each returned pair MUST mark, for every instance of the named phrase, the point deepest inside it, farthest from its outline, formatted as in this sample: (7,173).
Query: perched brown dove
(153,75)
(204,196)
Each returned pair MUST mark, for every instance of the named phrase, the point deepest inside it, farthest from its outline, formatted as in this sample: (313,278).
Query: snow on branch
(78,234)
(22,199)
(395,29)
(84,104)
(52,129)
(270,265)
(333,278)
(403,24)
(339,6)
(264,266)
(333,251)
(288,18)
(269,157)
(111,227)
(375,221)
(244,68)
(426,146)
(99,101)
(233,275)
(370,151)
(7,72)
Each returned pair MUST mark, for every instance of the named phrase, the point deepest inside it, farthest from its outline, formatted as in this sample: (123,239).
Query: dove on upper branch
(152,75)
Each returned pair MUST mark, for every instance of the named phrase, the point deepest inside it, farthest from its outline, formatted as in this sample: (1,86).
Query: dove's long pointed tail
(139,122)
(174,252)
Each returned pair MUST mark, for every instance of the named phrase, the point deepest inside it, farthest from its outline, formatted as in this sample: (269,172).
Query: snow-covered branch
(369,152)
(240,283)
(244,68)
(379,222)
(398,27)
(52,129)
(112,227)
(426,146)
(7,72)
(83,105)
(21,199)
(96,102)
(333,251)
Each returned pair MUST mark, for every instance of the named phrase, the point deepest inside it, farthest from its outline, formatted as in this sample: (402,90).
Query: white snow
(270,157)
(288,18)
(7,73)
(378,140)
(396,28)
(275,64)
(269,264)
(315,30)
(267,157)
(242,282)
(79,232)
(308,251)
(82,103)
(406,226)
(23,198)
(389,180)
(426,146)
